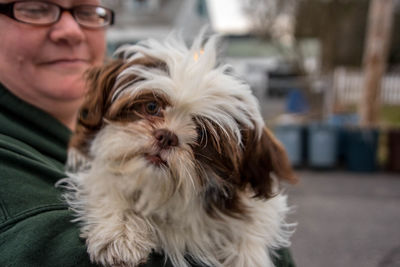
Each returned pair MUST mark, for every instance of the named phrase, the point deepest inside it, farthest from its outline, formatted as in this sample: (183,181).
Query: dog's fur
(171,154)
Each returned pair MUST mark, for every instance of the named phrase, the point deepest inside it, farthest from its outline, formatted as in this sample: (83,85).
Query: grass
(389,119)
(390,116)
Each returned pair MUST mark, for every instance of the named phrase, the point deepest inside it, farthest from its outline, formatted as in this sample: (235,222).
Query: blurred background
(327,76)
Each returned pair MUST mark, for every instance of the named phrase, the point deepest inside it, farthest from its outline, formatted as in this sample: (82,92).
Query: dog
(171,154)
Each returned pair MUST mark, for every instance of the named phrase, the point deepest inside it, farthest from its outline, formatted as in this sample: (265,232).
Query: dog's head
(168,118)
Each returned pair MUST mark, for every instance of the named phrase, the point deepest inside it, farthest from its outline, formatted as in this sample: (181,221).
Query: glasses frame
(7,9)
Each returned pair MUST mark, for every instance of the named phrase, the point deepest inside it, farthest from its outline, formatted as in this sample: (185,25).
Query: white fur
(128,207)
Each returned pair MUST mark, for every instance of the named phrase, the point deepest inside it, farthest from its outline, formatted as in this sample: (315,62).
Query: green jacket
(35,225)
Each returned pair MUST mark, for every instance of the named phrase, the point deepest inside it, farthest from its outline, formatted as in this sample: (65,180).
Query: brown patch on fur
(261,158)
(218,150)
(98,105)
(126,109)
(239,168)
(220,153)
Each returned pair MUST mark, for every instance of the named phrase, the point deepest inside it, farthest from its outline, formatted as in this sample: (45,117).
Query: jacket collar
(32,126)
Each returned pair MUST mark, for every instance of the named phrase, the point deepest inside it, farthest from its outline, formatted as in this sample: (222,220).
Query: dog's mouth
(156,159)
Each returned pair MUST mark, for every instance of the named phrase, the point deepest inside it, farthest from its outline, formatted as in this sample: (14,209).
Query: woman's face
(44,65)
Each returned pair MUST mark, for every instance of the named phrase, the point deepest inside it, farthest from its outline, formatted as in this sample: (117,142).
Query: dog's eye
(152,108)
(84,114)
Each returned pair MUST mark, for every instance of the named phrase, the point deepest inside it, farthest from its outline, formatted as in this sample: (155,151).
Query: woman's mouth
(67,62)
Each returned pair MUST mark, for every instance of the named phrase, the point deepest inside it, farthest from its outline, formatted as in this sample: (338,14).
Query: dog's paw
(120,252)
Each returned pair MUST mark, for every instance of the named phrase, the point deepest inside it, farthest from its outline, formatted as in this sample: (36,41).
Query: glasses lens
(93,16)
(35,12)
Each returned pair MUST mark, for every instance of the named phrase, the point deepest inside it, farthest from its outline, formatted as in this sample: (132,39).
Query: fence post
(379,27)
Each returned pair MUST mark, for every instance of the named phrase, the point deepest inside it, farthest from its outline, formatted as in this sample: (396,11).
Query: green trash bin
(361,146)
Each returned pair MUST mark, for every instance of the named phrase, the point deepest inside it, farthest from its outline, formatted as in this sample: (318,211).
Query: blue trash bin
(296,102)
(292,138)
(322,146)
(341,122)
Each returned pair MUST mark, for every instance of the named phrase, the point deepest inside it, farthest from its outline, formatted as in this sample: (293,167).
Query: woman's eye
(152,108)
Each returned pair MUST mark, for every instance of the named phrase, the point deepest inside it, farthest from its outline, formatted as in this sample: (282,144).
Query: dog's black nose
(165,138)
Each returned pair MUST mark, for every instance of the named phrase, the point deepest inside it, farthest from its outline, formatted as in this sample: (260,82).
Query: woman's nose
(67,30)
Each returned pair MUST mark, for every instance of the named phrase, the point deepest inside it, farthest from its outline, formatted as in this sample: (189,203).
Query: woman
(44,51)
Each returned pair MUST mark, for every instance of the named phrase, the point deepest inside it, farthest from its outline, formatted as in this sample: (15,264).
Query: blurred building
(254,59)
(329,34)
(141,19)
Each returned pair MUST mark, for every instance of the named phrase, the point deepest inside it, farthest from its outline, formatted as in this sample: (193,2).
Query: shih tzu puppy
(172,155)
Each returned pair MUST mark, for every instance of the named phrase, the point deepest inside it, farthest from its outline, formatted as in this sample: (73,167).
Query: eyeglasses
(46,13)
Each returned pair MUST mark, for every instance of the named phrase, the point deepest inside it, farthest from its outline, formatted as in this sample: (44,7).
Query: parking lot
(346,219)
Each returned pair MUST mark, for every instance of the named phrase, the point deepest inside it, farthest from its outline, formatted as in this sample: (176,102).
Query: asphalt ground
(346,219)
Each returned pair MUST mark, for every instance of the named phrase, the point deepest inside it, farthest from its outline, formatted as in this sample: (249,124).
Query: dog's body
(171,154)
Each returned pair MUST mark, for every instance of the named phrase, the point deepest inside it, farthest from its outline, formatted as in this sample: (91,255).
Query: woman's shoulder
(27,180)
(35,223)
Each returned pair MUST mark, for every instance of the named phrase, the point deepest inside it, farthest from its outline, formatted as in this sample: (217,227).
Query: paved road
(346,219)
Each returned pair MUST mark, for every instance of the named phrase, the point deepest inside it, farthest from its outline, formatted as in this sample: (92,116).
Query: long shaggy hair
(172,155)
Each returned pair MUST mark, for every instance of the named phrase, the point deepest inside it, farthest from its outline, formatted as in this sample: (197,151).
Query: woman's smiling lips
(67,62)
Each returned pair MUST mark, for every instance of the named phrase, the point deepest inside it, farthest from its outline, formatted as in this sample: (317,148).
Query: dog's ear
(100,82)
(262,157)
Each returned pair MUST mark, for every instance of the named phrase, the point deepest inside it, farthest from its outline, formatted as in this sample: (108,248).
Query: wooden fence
(348,86)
